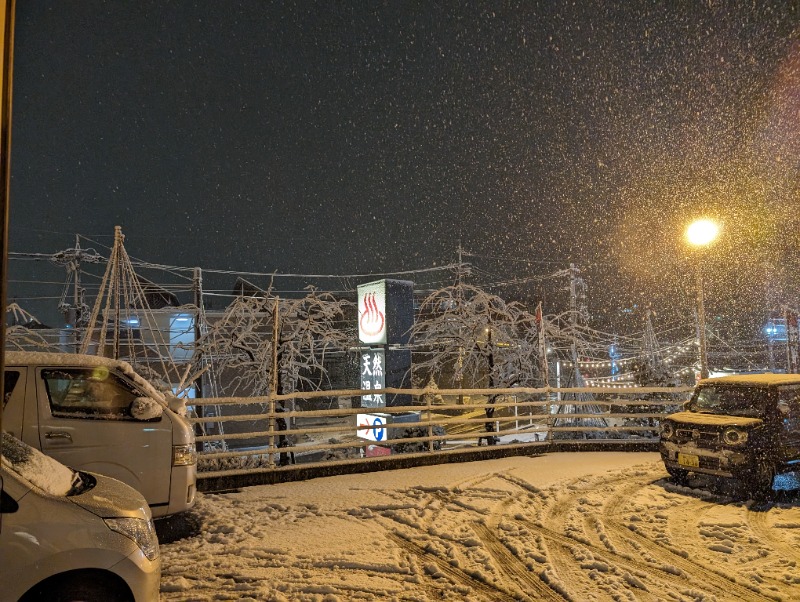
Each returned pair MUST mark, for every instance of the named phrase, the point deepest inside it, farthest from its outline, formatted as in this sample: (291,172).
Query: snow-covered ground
(566,526)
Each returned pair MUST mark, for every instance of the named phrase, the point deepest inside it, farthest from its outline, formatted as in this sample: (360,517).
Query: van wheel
(761,479)
(679,476)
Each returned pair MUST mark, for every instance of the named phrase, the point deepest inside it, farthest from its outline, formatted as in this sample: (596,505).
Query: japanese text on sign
(372,378)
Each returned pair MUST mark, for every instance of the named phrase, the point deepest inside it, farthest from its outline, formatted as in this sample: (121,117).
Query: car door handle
(58,435)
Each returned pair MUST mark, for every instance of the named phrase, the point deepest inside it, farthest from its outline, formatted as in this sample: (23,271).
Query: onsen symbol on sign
(372,319)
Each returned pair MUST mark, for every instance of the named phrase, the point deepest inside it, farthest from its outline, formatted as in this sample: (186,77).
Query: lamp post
(700,234)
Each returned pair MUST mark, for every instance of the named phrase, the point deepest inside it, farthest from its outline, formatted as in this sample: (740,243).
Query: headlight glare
(141,531)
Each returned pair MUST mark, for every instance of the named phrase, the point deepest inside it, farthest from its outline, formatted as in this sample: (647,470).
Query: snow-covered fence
(326,427)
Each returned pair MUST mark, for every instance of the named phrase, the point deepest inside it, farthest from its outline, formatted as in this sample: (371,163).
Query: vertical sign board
(385,318)
(373,377)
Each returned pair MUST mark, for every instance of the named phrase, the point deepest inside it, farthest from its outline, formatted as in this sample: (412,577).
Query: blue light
(775,330)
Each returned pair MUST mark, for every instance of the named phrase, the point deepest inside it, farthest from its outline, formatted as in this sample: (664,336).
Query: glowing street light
(700,234)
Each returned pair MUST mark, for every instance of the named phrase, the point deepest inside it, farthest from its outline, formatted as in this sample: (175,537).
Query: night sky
(329,138)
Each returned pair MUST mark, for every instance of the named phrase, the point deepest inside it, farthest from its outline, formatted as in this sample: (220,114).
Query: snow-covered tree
(476,338)
(240,344)
(22,333)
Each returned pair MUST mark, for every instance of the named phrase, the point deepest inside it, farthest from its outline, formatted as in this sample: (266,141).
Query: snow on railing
(265,434)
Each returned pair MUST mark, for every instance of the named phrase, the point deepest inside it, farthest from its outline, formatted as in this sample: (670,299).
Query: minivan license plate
(689,460)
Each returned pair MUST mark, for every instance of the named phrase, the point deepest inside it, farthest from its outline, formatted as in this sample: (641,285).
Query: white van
(70,536)
(96,414)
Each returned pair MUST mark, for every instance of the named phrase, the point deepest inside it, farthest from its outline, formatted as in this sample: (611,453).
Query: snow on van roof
(46,473)
(766,379)
(60,359)
(44,358)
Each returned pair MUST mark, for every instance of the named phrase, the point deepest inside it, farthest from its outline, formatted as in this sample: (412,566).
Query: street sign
(371,427)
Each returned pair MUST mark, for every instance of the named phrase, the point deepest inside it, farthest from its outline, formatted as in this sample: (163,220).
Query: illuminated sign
(372,313)
(373,376)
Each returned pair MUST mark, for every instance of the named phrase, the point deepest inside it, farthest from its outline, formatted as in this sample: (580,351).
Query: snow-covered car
(97,414)
(69,536)
(744,427)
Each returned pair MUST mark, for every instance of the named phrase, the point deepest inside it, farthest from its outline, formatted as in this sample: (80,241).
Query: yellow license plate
(689,460)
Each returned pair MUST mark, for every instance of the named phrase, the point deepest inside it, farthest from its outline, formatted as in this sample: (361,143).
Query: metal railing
(297,432)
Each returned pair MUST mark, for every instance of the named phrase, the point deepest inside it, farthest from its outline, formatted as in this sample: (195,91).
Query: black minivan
(744,427)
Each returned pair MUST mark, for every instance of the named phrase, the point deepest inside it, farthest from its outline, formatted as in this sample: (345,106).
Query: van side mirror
(146,408)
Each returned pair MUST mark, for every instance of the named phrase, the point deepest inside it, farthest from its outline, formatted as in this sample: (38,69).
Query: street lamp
(700,234)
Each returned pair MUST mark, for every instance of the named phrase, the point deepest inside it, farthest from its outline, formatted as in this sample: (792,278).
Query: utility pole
(792,340)
(197,289)
(460,360)
(574,282)
(75,312)
(544,366)
(7,8)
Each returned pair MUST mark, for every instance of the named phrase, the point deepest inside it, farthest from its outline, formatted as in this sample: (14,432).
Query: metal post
(430,417)
(274,381)
(791,340)
(7,14)
(701,324)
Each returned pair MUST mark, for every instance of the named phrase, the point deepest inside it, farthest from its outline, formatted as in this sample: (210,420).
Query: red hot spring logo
(372,320)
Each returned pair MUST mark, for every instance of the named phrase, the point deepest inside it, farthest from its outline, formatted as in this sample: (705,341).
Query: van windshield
(729,400)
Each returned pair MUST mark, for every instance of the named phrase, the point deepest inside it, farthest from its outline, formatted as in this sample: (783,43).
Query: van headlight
(734,436)
(140,531)
(184,455)
(667,431)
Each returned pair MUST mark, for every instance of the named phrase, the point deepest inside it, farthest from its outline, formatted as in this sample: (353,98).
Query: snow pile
(582,526)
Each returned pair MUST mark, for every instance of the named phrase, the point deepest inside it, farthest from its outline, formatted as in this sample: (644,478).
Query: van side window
(93,393)
(9,382)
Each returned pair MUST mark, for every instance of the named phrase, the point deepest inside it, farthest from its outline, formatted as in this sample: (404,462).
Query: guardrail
(248,440)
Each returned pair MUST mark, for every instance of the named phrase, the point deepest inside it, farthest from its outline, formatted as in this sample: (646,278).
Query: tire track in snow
(720,585)
(687,528)
(509,564)
(758,521)
(703,575)
(455,574)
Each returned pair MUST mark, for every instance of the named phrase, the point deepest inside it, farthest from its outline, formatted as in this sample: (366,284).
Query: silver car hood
(110,498)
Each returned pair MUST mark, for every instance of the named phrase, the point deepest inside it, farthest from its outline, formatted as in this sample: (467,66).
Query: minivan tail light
(184,455)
